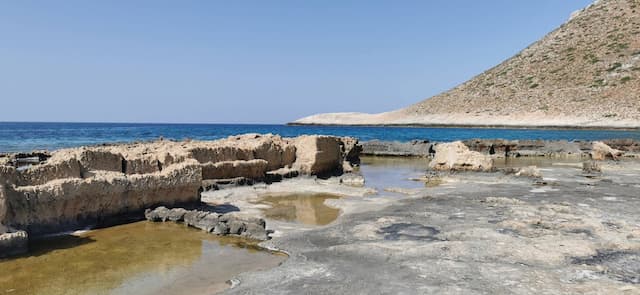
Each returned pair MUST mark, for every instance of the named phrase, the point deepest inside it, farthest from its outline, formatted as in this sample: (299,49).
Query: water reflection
(302,208)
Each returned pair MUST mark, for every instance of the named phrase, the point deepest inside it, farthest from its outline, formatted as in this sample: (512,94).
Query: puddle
(303,208)
(137,258)
(394,172)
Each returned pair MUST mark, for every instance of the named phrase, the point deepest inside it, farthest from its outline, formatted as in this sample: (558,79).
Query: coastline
(476,126)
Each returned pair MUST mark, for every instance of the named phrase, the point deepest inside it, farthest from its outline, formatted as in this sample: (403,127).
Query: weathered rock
(417,148)
(529,171)
(221,228)
(501,147)
(219,224)
(13,243)
(255,231)
(316,155)
(163,214)
(79,187)
(236,227)
(143,164)
(600,152)
(457,156)
(56,168)
(351,179)
(591,167)
(351,150)
(280,174)
(101,159)
(254,169)
(66,204)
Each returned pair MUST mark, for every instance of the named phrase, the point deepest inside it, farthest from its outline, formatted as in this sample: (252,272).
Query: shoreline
(475,126)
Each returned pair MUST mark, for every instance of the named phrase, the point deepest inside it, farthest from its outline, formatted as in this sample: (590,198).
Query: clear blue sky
(250,61)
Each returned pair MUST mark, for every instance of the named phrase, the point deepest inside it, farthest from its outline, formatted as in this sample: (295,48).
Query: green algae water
(136,258)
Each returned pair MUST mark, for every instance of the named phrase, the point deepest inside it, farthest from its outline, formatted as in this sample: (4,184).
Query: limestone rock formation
(600,152)
(421,148)
(457,156)
(74,188)
(318,154)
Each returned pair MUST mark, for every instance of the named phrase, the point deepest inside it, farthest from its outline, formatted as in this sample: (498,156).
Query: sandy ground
(476,233)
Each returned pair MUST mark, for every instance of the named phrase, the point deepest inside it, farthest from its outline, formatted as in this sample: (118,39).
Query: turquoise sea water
(21,136)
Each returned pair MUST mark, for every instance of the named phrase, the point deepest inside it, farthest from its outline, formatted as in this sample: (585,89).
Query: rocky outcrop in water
(502,147)
(74,188)
(211,222)
(601,151)
(416,148)
(456,156)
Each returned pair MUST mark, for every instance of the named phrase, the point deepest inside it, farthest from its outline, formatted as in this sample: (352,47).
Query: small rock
(256,232)
(158,214)
(236,227)
(221,229)
(591,167)
(352,180)
(530,171)
(13,243)
(176,214)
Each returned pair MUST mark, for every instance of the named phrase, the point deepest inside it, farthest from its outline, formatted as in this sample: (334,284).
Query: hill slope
(584,74)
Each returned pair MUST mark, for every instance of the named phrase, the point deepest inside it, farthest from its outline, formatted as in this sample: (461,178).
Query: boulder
(600,152)
(456,156)
(317,155)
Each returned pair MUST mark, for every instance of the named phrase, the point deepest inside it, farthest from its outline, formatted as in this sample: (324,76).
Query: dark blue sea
(23,136)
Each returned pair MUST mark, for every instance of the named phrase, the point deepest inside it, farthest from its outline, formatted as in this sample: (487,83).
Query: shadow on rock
(619,265)
(409,231)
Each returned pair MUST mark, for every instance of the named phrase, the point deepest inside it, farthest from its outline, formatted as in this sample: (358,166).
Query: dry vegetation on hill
(586,73)
(589,67)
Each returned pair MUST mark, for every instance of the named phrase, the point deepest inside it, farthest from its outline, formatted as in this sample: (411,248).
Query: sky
(250,61)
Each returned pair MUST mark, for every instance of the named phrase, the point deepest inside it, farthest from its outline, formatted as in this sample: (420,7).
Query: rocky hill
(586,73)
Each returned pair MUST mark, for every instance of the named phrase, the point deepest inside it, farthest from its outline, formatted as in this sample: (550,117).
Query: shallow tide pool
(301,207)
(136,258)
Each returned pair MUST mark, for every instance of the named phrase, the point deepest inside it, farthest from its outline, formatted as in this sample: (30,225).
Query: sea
(28,136)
